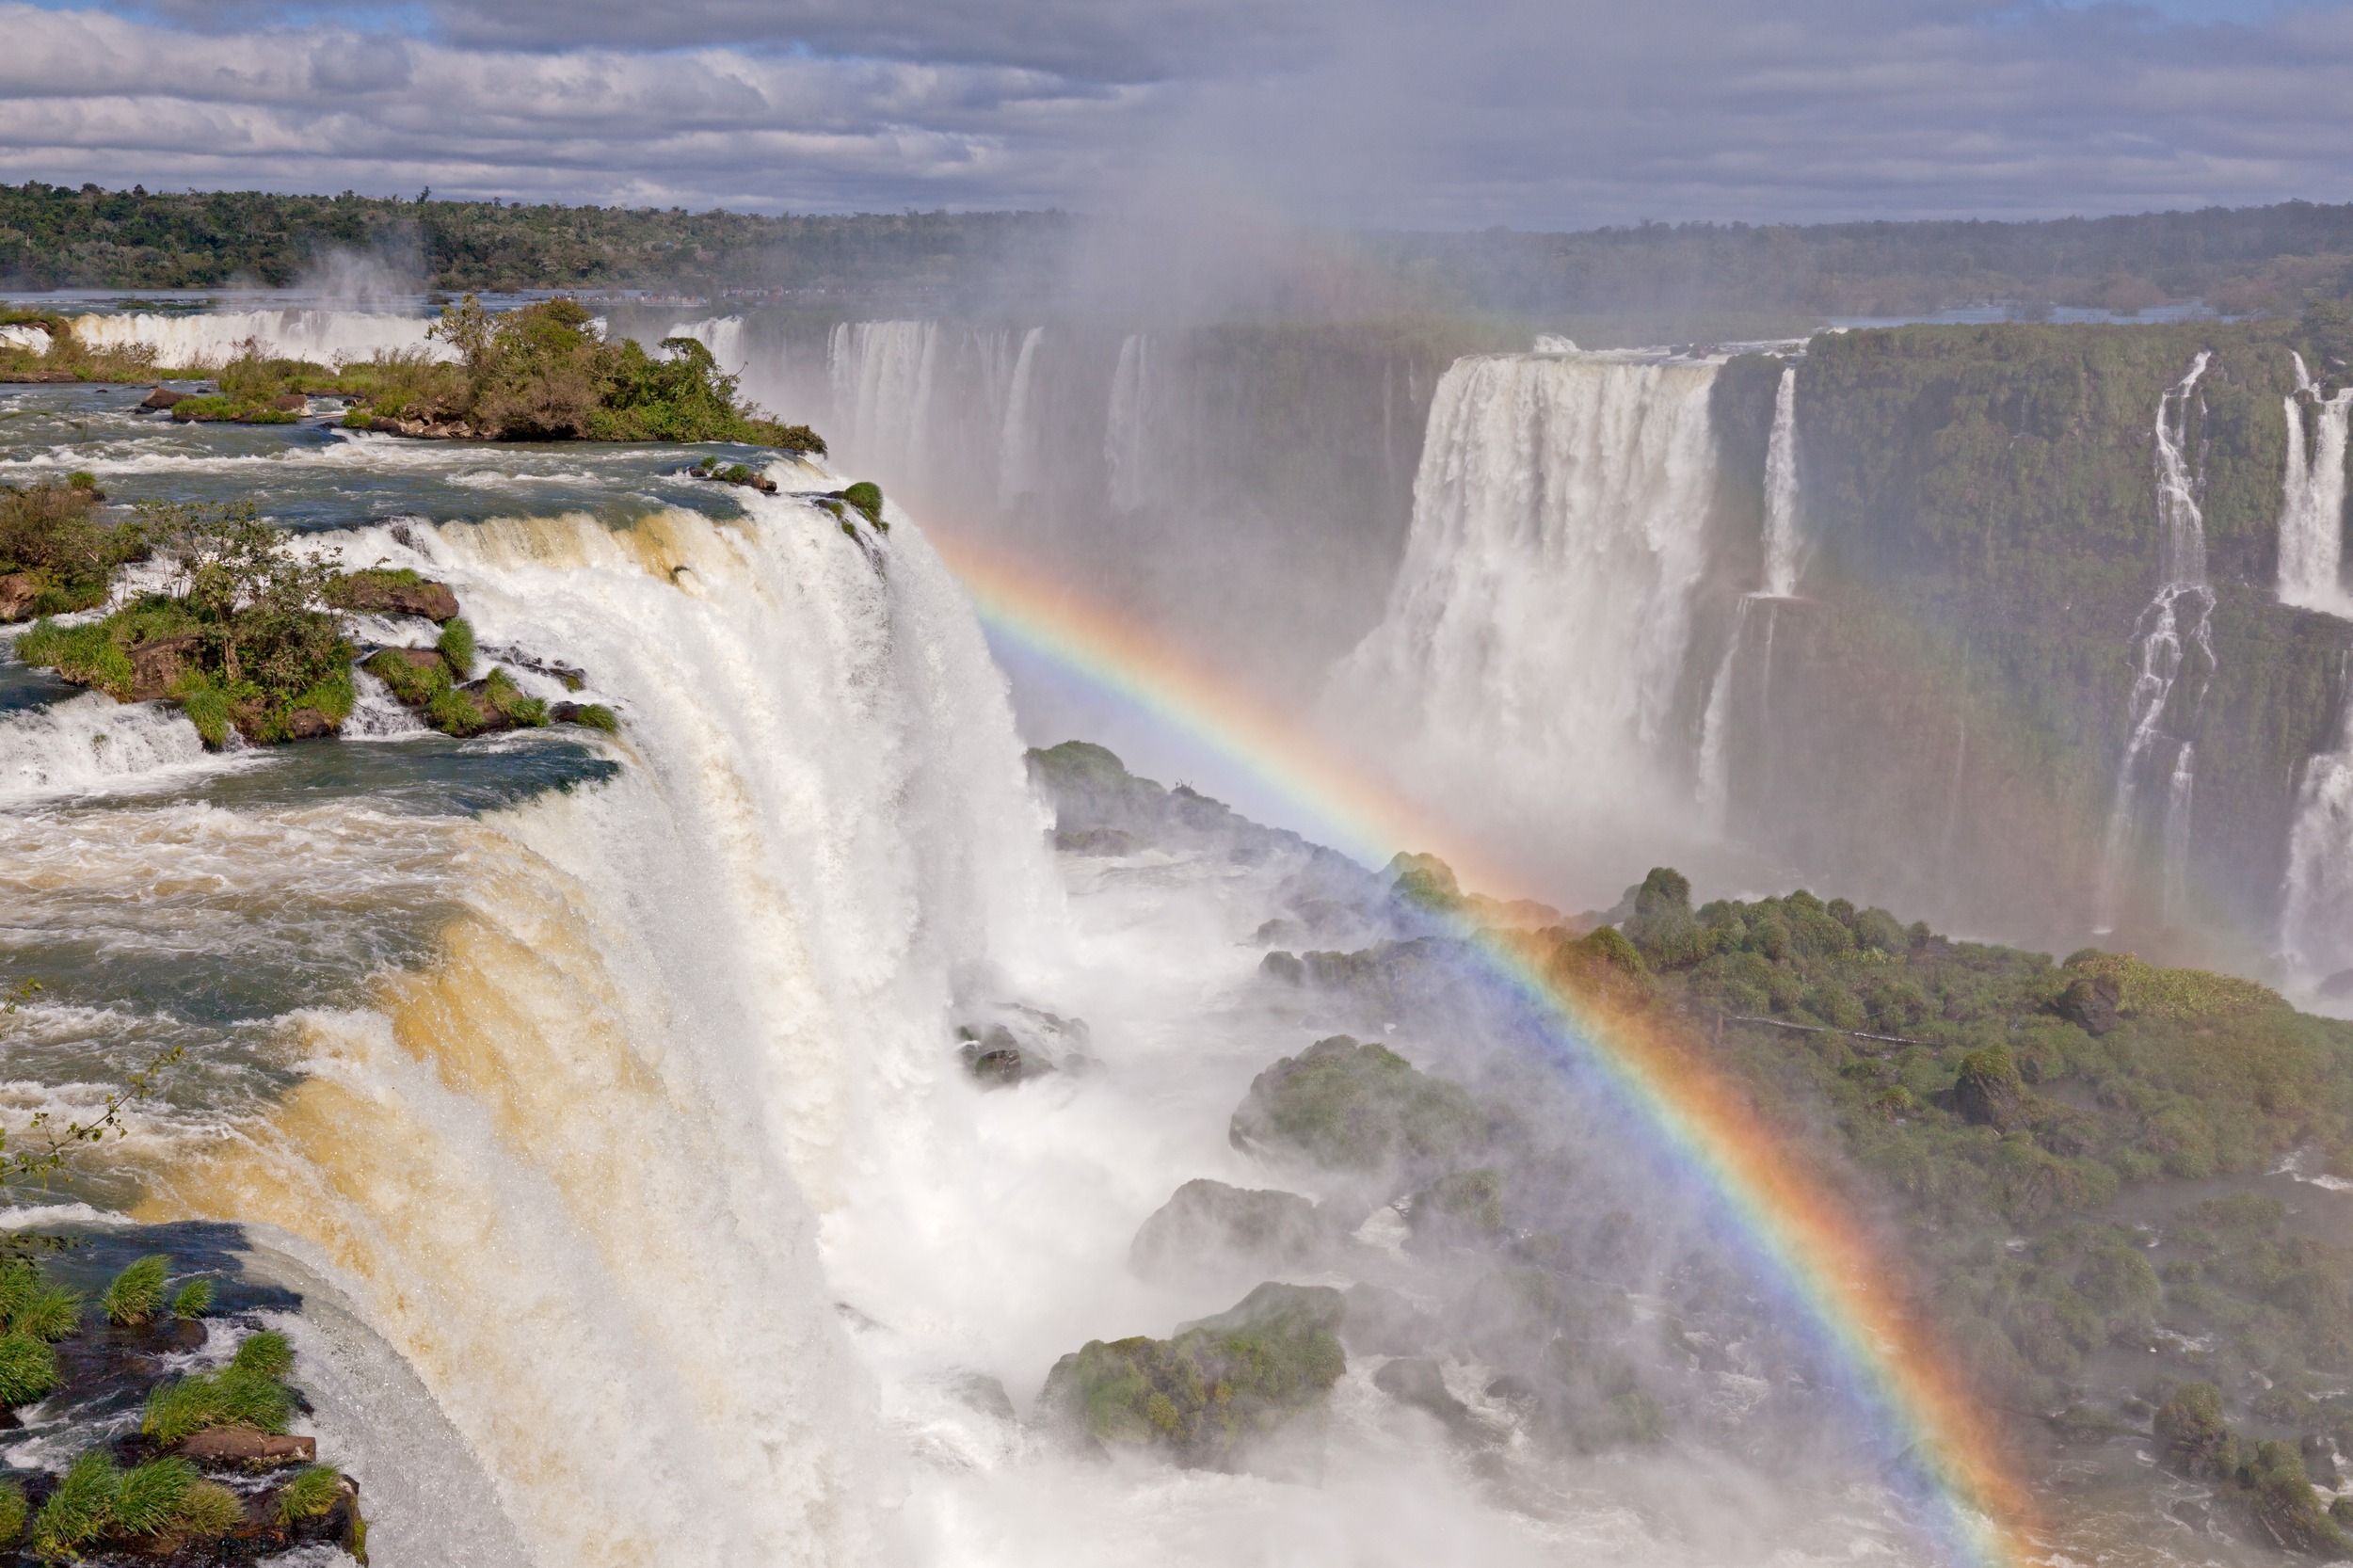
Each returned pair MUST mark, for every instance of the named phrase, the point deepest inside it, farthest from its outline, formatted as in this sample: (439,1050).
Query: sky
(1535,114)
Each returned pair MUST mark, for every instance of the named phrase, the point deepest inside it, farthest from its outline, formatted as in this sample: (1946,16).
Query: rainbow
(1774,1202)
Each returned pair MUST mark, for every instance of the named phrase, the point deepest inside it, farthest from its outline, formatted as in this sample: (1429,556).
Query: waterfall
(1781,491)
(882,374)
(2312,501)
(724,337)
(2317,914)
(1016,441)
(1540,620)
(681,1077)
(1126,431)
(2164,646)
(1780,551)
(321,336)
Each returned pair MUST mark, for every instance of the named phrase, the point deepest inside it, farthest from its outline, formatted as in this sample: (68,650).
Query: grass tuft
(311,1492)
(456,646)
(12,1513)
(210,1511)
(28,1369)
(148,1499)
(194,1300)
(79,1510)
(136,1294)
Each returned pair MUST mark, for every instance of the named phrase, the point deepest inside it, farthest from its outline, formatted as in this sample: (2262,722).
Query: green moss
(867,498)
(1204,1396)
(1358,1107)
(13,1513)
(136,1294)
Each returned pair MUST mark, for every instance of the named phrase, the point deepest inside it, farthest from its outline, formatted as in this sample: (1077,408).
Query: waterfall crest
(602,1171)
(321,336)
(2172,639)
(2312,501)
(1539,624)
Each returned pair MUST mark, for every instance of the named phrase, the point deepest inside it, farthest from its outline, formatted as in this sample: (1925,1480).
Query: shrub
(194,1300)
(456,646)
(136,1293)
(148,1499)
(308,1492)
(28,1369)
(2197,1441)
(79,1510)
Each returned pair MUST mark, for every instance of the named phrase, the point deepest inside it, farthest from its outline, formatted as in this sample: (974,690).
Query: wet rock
(1210,1224)
(1380,1321)
(1357,1108)
(385,593)
(1107,841)
(162,397)
(244,1446)
(1204,1396)
(1989,1091)
(157,665)
(1283,967)
(998,1061)
(17,592)
(2089,1003)
(981,1392)
(1411,1380)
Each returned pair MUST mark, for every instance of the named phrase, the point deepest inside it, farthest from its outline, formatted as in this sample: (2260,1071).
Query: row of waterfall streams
(601,1095)
(2173,665)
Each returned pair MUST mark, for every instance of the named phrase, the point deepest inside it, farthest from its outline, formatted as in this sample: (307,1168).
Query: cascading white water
(1781,549)
(724,337)
(882,374)
(320,336)
(1018,436)
(2166,640)
(20,336)
(1127,434)
(1540,620)
(2312,501)
(94,742)
(2316,914)
(600,1172)
(1781,491)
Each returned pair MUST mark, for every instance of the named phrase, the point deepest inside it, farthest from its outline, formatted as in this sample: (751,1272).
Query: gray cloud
(1535,113)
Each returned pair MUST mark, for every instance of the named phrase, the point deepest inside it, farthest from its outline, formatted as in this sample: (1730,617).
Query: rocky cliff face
(1943,716)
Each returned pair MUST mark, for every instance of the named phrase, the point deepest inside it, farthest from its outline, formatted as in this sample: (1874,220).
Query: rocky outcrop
(162,397)
(18,590)
(1363,1108)
(1210,1225)
(396,593)
(157,665)
(1206,1397)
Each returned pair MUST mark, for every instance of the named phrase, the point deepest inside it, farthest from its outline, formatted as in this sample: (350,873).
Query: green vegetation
(136,1294)
(1202,1397)
(30,1306)
(866,497)
(456,646)
(239,642)
(236,1396)
(53,236)
(596,716)
(13,1513)
(55,557)
(541,373)
(194,1299)
(28,1369)
(79,1510)
(152,1507)
(66,359)
(309,1493)
(1358,1107)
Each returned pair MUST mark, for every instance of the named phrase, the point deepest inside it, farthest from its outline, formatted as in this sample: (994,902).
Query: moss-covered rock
(1361,1108)
(1210,1225)
(1204,1396)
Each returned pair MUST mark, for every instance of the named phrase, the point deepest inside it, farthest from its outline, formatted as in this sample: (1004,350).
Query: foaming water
(660,1049)
(1538,630)
(213,337)
(93,743)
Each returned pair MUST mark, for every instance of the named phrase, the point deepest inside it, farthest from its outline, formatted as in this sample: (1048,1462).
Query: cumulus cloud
(1537,113)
